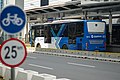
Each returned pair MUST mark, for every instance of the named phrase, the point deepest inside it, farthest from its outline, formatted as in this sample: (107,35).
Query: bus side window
(65,33)
(72,33)
(39,31)
(33,34)
(42,33)
(80,29)
(47,35)
(56,28)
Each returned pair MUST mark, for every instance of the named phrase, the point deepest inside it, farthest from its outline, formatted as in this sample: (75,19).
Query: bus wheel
(38,46)
(64,47)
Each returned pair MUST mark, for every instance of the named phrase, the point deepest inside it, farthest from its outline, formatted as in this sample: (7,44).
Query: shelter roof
(101,7)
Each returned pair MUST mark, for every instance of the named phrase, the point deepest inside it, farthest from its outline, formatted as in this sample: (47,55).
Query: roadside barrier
(1,71)
(21,74)
(30,73)
(43,77)
(30,49)
(37,77)
(17,69)
(7,73)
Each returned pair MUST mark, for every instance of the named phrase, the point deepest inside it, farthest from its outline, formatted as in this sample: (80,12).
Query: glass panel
(32,35)
(39,31)
(72,33)
(79,29)
(96,27)
(47,35)
(65,33)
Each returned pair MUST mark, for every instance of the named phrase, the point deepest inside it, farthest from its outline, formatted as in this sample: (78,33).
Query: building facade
(30,4)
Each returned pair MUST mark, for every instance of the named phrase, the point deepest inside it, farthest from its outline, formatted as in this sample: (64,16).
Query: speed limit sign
(13,52)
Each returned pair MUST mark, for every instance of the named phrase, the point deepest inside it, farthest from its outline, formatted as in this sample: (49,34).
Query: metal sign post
(12,69)
(13,51)
(12,73)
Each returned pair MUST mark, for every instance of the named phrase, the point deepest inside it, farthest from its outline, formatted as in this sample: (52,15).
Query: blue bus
(72,34)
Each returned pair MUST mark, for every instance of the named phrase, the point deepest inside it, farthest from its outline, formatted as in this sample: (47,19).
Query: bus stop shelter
(76,10)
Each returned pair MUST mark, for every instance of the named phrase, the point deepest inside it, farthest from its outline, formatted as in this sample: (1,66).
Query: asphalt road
(72,68)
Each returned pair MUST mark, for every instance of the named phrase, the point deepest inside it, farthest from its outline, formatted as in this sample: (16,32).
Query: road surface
(72,68)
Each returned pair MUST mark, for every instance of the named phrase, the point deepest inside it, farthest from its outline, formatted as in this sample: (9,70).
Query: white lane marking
(41,66)
(31,57)
(82,65)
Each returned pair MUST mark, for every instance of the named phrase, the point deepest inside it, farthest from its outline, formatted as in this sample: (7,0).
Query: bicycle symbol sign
(12,19)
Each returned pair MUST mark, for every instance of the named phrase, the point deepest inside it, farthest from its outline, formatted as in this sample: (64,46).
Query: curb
(78,56)
(93,55)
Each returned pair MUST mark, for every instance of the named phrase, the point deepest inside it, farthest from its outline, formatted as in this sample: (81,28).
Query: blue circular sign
(12,19)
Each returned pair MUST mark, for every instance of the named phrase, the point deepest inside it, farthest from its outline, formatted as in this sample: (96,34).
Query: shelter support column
(42,18)
(27,33)
(110,27)
(85,15)
(62,15)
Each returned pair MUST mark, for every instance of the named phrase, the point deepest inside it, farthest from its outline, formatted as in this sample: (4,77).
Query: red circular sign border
(12,66)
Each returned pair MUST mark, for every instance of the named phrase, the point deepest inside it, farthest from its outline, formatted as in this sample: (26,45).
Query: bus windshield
(96,27)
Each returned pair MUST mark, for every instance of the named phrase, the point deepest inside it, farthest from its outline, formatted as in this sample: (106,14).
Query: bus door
(72,36)
(32,36)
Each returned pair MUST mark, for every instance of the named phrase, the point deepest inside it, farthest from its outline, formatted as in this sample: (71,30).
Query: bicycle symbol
(14,19)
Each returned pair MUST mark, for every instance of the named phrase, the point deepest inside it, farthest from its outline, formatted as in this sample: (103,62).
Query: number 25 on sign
(13,52)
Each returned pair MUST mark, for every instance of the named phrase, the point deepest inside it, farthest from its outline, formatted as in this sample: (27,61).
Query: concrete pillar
(42,18)
(20,3)
(62,15)
(110,27)
(85,14)
(45,17)
(27,25)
